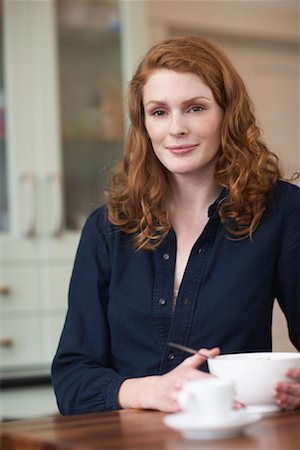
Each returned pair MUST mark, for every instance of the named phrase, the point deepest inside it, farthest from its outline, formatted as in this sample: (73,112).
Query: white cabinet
(64,67)
(21,338)
(18,289)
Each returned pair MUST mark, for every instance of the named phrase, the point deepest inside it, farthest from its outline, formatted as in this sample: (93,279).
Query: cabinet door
(90,88)
(19,180)
(96,48)
(18,289)
(4,206)
(20,341)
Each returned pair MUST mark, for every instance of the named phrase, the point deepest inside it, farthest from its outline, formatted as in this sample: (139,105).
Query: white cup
(210,397)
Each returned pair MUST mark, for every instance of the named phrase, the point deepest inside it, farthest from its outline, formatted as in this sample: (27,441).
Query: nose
(178,125)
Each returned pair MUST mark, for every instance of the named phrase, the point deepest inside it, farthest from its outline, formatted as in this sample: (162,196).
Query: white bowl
(254,375)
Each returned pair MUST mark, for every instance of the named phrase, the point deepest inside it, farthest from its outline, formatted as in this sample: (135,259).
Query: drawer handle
(57,205)
(6,342)
(5,290)
(28,183)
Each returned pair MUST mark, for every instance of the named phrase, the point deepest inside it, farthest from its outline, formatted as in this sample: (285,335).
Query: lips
(182,148)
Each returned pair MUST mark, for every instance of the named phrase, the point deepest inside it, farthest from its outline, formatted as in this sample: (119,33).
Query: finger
(210,353)
(287,388)
(287,401)
(194,361)
(172,405)
(293,373)
(237,405)
(287,395)
(197,359)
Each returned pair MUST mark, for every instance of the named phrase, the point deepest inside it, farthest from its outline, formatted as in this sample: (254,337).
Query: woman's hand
(160,392)
(287,394)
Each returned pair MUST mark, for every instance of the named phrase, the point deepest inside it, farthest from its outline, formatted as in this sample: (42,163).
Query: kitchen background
(64,70)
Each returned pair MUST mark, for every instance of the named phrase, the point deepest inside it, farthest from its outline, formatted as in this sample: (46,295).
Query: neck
(193,196)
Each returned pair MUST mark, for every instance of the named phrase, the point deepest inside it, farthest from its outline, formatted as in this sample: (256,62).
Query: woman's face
(183,121)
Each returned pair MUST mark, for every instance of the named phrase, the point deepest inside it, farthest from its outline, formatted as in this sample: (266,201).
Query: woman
(197,238)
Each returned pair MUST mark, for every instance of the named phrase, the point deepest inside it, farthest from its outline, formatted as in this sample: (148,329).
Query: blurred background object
(64,71)
(89,62)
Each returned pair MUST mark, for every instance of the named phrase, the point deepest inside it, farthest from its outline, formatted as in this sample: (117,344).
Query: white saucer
(196,427)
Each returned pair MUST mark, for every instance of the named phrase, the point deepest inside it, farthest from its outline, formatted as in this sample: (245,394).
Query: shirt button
(186,300)
(200,250)
(171,356)
(161,301)
(166,256)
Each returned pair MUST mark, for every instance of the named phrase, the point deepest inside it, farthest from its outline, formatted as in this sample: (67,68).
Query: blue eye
(196,109)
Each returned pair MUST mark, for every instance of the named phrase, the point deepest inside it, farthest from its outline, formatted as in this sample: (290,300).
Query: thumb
(199,358)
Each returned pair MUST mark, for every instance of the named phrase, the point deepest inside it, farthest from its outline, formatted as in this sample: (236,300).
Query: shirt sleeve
(288,268)
(81,374)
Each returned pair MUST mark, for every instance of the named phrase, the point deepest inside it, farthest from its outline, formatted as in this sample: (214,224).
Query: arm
(82,377)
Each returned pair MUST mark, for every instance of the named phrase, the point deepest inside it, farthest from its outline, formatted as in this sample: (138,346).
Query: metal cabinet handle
(57,205)
(5,290)
(27,180)
(6,342)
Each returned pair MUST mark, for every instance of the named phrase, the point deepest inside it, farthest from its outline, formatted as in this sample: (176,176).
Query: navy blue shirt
(121,313)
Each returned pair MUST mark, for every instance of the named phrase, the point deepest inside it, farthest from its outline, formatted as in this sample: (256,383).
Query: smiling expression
(183,121)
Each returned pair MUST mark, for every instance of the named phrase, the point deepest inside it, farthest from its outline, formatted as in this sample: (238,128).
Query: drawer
(20,342)
(19,289)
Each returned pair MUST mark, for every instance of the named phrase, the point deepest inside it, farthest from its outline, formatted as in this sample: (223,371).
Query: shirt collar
(213,209)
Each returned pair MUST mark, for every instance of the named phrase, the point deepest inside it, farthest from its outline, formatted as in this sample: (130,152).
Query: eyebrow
(185,102)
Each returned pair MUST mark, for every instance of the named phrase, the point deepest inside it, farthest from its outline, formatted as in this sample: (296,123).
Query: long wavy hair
(246,168)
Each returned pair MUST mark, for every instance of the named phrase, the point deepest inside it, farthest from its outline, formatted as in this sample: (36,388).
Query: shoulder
(98,228)
(98,238)
(288,188)
(285,195)
(283,209)
(97,222)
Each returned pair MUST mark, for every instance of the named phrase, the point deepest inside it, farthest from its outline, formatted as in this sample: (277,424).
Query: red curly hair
(246,168)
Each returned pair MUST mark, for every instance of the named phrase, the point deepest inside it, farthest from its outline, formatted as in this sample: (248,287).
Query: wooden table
(141,430)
